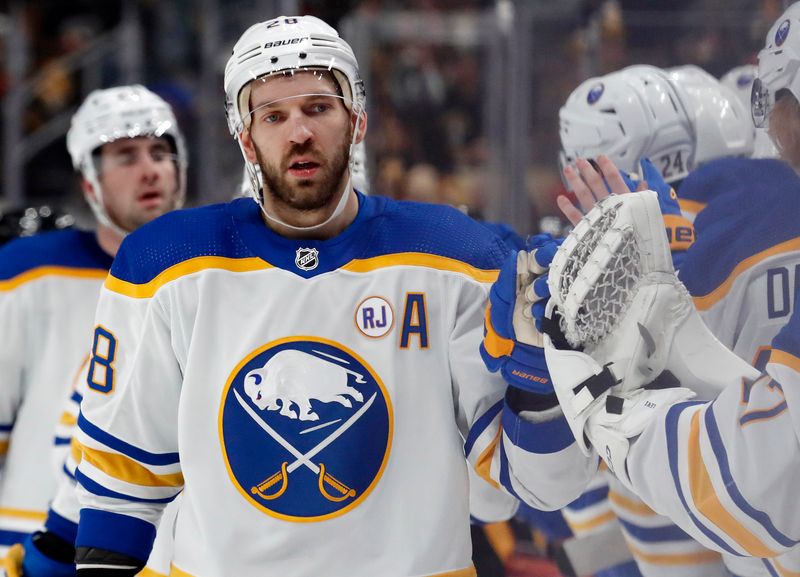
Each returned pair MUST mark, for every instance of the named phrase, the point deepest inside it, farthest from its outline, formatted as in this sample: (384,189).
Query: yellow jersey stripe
(68,419)
(501,538)
(580,527)
(191,266)
(784,358)
(701,557)
(147,572)
(484,463)
(422,260)
(127,470)
(494,344)
(692,206)
(23,514)
(636,507)
(708,503)
(43,271)
(783,571)
(705,302)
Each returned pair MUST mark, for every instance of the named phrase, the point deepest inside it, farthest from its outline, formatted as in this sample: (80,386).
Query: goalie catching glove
(512,343)
(614,294)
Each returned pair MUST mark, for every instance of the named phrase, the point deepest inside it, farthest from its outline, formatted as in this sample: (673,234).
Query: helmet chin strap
(343,197)
(96,204)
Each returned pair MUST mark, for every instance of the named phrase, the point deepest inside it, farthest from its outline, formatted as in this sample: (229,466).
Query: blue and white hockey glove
(512,342)
(28,559)
(680,231)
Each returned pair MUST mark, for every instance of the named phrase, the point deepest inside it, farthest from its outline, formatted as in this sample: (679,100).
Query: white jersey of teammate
(727,471)
(313,400)
(49,286)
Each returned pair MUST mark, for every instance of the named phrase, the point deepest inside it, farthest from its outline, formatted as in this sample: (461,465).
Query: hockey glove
(31,559)
(680,231)
(512,344)
(643,342)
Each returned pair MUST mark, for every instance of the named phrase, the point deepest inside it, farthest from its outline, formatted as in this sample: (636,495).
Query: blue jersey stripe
(8,538)
(589,498)
(98,489)
(127,449)
(505,474)
(730,484)
(662,534)
(480,426)
(671,425)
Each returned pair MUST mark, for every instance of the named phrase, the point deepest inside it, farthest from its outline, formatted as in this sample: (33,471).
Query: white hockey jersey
(727,471)
(313,400)
(741,273)
(49,286)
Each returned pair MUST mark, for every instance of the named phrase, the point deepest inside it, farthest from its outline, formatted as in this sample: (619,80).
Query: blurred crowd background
(463,95)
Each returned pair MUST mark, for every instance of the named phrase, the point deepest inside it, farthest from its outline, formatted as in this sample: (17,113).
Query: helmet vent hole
(274,59)
(302,55)
(611,110)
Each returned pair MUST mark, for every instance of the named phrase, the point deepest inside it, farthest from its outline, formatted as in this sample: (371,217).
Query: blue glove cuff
(37,564)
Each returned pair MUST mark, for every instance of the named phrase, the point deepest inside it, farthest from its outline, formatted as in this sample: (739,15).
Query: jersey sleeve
(534,457)
(13,354)
(726,471)
(128,470)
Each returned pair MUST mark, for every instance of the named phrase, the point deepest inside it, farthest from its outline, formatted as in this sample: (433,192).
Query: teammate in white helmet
(726,470)
(681,119)
(303,368)
(130,154)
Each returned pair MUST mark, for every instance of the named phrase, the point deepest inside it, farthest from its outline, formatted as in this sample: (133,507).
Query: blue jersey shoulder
(758,212)
(438,230)
(69,248)
(177,237)
(725,175)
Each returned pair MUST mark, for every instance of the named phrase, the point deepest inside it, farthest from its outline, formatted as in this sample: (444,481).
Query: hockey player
(704,464)
(682,119)
(303,367)
(725,488)
(130,153)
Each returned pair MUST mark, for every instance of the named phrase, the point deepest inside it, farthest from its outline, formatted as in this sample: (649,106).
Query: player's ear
(248,146)
(88,189)
(361,126)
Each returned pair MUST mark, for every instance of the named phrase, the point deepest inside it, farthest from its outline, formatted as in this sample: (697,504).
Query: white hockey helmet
(627,115)
(115,113)
(740,81)
(721,123)
(286,44)
(679,119)
(778,65)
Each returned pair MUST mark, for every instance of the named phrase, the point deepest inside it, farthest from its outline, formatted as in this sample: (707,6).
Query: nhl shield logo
(306,258)
(305,428)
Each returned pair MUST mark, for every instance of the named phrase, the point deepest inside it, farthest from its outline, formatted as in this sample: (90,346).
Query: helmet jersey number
(277,22)
(101,368)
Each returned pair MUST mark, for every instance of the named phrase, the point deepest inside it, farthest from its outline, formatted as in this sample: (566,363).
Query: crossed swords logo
(323,476)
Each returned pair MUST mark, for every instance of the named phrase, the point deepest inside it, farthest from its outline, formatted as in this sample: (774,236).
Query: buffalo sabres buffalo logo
(306,258)
(306,428)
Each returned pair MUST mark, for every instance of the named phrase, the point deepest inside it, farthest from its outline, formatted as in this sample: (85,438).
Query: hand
(512,342)
(591,186)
